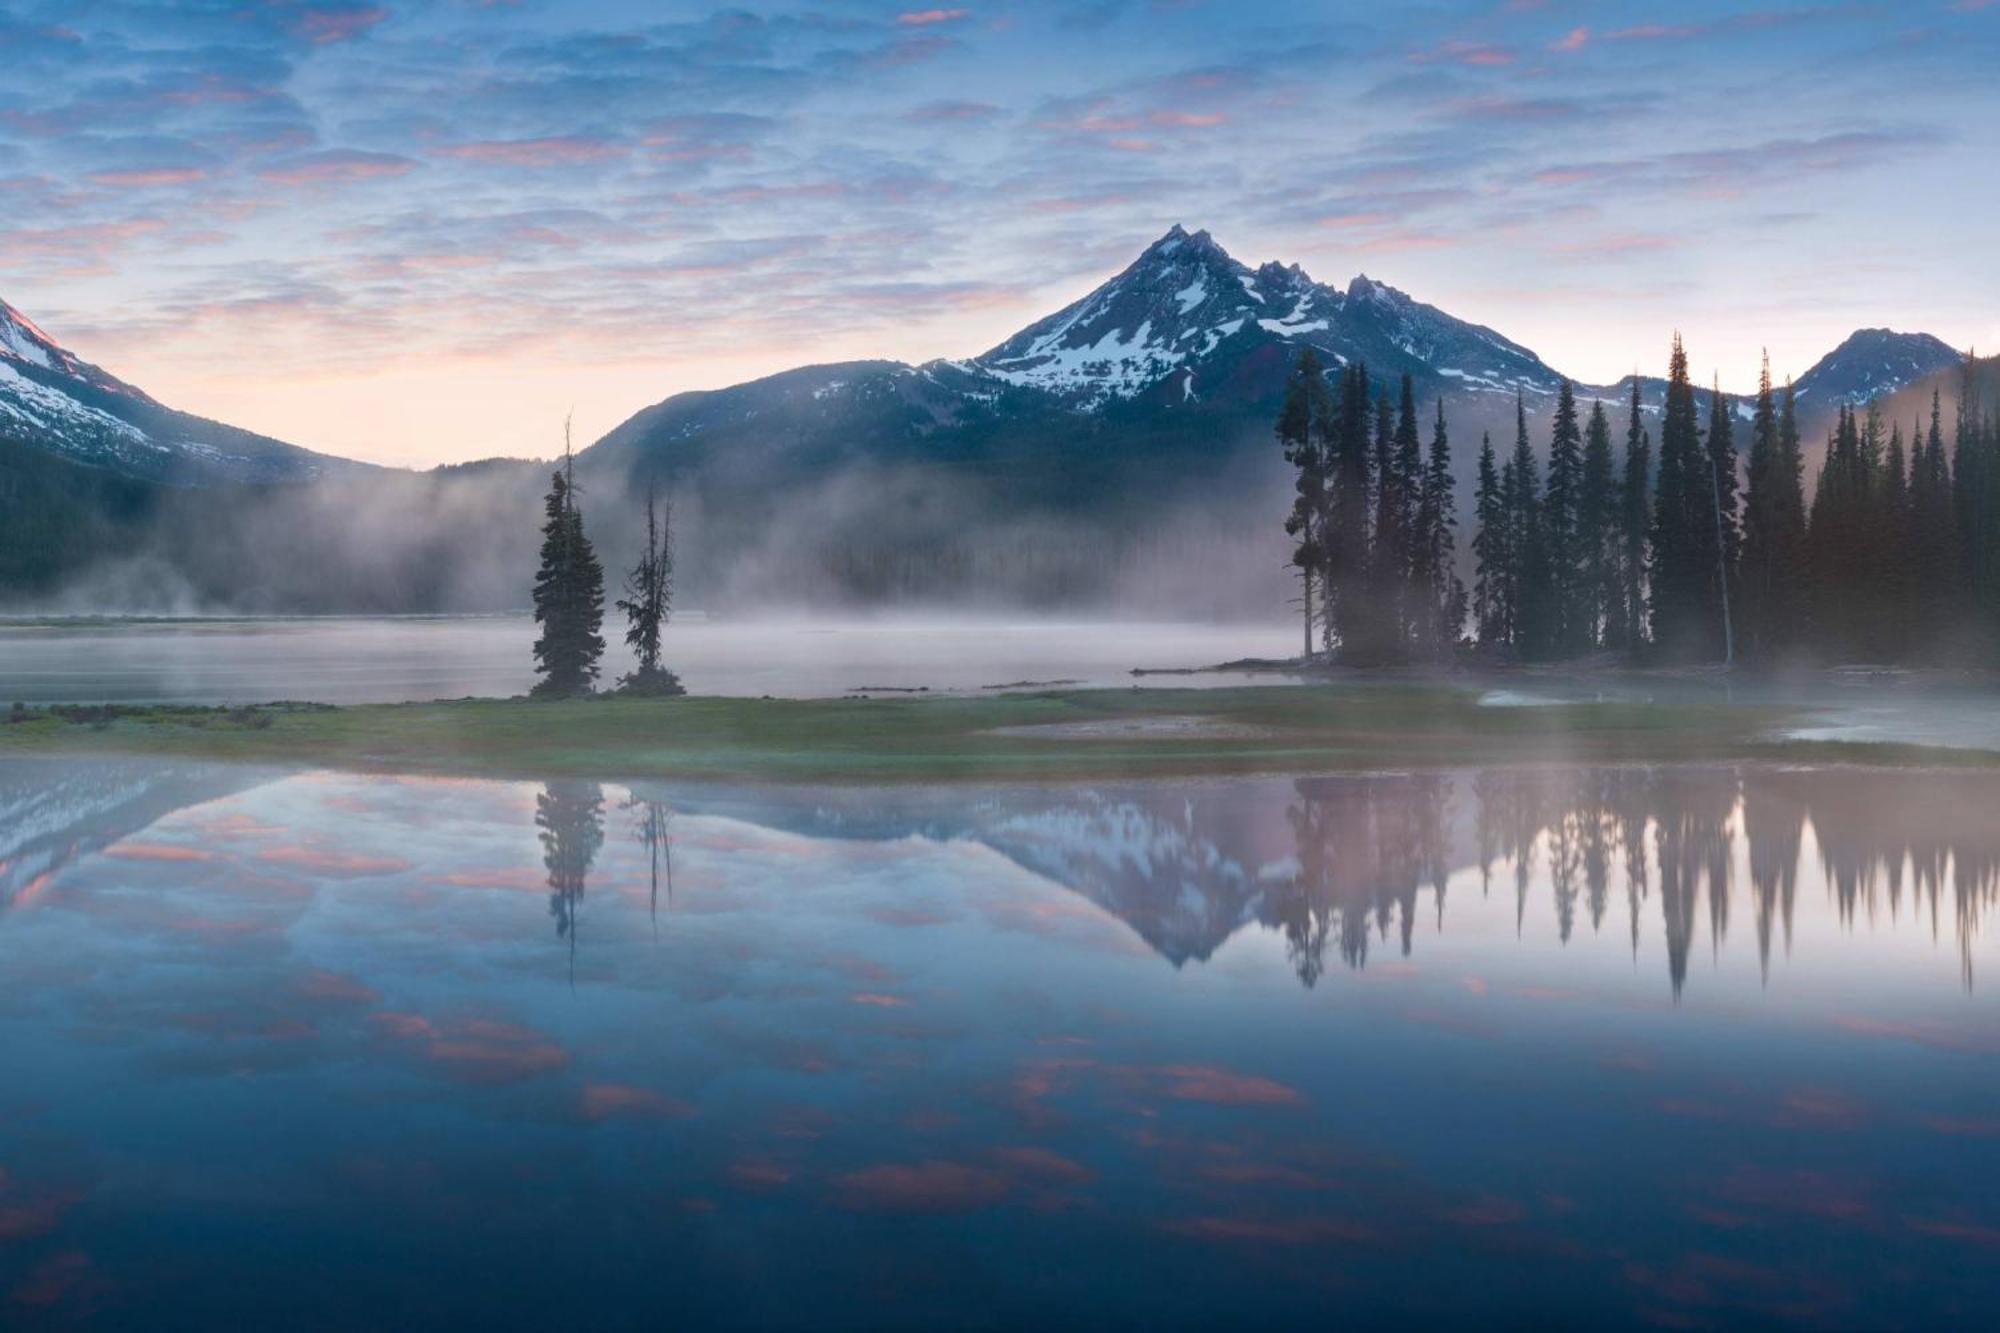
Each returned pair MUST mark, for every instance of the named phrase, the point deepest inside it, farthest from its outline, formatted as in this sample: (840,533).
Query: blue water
(1675,1047)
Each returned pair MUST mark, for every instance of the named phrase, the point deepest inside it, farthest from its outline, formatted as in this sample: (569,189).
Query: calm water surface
(348,660)
(1685,1047)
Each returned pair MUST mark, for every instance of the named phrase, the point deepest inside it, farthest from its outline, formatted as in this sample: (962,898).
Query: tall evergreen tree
(1492,554)
(1725,534)
(1444,601)
(1345,522)
(1407,463)
(1304,422)
(568,593)
(1531,592)
(1388,550)
(1635,518)
(1569,614)
(1933,538)
(1686,614)
(1773,559)
(1596,534)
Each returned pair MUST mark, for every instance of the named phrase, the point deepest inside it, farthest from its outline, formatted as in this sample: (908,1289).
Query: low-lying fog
(398,659)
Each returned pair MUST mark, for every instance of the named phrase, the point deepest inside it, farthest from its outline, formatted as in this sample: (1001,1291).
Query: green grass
(1265,728)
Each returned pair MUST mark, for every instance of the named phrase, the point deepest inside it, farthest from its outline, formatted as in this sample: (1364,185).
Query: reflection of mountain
(1340,867)
(52,812)
(1338,863)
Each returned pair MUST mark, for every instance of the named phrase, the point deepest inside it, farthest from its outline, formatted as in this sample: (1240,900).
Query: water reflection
(1338,867)
(1341,865)
(1590,1048)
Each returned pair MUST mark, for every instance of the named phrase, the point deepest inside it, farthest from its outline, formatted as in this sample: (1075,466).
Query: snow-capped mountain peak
(24,343)
(1186,314)
(58,402)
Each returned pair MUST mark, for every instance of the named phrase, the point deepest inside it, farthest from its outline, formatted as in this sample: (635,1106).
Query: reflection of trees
(1366,846)
(1922,842)
(570,815)
(654,830)
(1889,842)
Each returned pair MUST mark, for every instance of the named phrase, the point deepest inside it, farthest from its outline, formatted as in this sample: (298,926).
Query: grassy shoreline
(1047,735)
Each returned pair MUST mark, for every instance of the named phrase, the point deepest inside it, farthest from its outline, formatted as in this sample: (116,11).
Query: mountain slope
(1872,363)
(53,400)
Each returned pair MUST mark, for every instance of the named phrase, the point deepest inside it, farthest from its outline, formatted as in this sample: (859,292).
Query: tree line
(1703,551)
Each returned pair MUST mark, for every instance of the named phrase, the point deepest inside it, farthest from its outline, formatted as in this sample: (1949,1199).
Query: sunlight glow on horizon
(416,233)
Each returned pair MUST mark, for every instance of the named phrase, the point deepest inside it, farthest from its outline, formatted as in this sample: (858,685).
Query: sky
(421,231)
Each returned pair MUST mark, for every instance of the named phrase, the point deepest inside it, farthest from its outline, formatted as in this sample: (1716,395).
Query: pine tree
(1531,595)
(1407,463)
(1889,516)
(648,602)
(568,593)
(1686,615)
(1491,552)
(1345,520)
(1635,511)
(1568,614)
(1303,424)
(1725,536)
(1596,534)
(1838,541)
(1444,598)
(1772,566)
(1934,538)
(1388,568)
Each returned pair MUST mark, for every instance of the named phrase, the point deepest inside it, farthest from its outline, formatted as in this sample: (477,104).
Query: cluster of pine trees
(1372,519)
(569,599)
(1699,553)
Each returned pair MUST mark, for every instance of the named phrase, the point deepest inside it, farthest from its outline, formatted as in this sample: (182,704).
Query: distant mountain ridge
(1184,330)
(55,401)
(1117,452)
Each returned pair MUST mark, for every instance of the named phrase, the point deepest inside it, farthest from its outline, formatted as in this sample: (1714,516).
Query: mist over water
(393,659)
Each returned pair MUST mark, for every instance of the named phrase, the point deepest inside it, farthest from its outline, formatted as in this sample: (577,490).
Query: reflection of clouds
(476,1050)
(607,1101)
(413,1034)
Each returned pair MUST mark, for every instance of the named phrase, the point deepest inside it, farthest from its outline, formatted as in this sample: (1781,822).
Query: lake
(1683,1046)
(389,659)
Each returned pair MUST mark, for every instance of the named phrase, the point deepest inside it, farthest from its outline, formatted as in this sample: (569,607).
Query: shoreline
(1045,735)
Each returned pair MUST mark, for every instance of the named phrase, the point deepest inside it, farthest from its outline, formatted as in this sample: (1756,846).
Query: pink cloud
(759,1173)
(321,861)
(1573,40)
(1208,1083)
(336,165)
(476,1050)
(325,26)
(1271,1231)
(142,178)
(603,1101)
(1648,32)
(920,18)
(1194,120)
(927,1187)
(157,851)
(553,151)
(878,1000)
(1041,1165)
(1477,54)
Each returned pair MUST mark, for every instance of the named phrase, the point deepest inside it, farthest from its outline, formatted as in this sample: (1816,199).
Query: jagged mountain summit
(1187,315)
(1872,363)
(53,400)
(1185,339)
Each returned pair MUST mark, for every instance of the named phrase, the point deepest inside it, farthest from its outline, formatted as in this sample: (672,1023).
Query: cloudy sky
(422,230)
